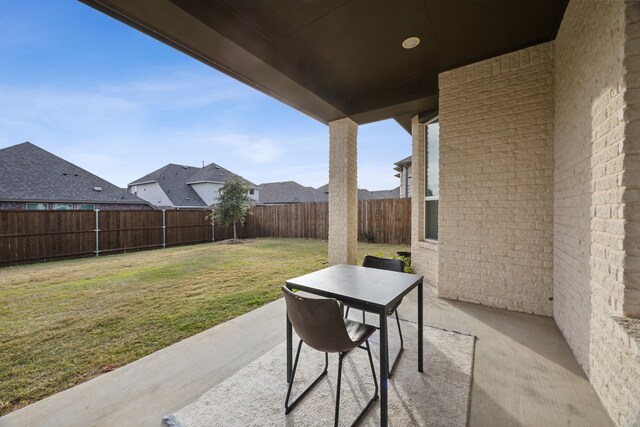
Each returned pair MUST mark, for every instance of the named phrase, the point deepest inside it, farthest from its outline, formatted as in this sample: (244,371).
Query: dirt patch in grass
(65,322)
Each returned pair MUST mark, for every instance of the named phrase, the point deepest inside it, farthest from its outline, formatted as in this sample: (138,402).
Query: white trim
(426,182)
(205,181)
(141,183)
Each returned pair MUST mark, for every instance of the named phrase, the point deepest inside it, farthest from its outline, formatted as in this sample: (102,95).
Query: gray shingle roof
(175,179)
(364,194)
(289,192)
(405,161)
(216,173)
(386,194)
(30,174)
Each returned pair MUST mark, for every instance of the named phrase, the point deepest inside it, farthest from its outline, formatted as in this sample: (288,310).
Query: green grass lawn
(65,322)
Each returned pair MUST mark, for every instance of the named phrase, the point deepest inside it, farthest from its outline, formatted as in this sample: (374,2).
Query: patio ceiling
(343,58)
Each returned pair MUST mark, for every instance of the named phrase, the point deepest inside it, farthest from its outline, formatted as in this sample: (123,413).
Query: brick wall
(343,192)
(12,206)
(596,197)
(496,181)
(631,178)
(123,207)
(103,206)
(574,95)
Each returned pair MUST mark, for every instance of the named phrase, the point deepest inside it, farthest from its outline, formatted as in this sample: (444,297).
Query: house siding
(596,196)
(208,191)
(152,193)
(496,182)
(405,181)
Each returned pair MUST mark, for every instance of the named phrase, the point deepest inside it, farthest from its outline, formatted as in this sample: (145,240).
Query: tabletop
(354,284)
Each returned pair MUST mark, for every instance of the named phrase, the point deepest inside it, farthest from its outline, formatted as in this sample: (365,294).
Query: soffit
(343,58)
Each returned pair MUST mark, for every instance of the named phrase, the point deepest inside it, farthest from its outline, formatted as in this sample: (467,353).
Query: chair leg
(395,361)
(346,314)
(289,407)
(340,357)
(375,381)
(364,319)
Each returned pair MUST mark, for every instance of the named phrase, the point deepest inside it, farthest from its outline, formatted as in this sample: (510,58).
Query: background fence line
(31,236)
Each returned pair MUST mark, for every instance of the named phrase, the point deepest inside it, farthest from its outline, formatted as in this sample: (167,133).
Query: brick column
(343,191)
(417,176)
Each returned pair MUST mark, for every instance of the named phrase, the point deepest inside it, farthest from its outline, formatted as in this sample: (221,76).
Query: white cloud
(121,131)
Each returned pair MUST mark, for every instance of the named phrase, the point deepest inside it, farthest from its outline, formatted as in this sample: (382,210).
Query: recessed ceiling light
(411,42)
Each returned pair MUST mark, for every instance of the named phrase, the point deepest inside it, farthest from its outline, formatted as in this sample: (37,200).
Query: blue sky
(120,104)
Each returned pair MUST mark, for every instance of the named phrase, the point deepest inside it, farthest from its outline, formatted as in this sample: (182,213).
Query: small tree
(233,204)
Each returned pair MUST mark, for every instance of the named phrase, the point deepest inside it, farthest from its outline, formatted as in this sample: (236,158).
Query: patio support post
(343,191)
(417,186)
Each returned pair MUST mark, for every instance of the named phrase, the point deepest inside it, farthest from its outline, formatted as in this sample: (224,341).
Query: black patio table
(374,289)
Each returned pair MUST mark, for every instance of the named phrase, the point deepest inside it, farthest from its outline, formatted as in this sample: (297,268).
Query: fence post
(97,232)
(164,228)
(213,228)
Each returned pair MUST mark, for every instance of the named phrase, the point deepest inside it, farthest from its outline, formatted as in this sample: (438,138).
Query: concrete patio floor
(524,372)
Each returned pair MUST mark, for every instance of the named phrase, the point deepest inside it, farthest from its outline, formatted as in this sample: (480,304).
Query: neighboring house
(289,192)
(364,194)
(34,179)
(178,186)
(404,173)
(386,194)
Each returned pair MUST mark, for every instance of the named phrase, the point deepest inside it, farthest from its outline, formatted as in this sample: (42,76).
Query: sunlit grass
(65,322)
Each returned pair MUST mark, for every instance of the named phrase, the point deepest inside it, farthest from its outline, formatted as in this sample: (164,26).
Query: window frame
(45,206)
(426,172)
(56,206)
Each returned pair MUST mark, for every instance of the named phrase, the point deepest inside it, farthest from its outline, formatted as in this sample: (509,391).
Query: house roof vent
(97,188)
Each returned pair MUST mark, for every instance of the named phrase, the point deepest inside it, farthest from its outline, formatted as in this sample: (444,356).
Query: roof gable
(175,181)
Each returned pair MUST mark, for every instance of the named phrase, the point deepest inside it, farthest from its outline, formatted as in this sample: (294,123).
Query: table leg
(289,346)
(420,323)
(384,367)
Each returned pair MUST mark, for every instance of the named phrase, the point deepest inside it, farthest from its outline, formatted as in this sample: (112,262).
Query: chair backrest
(383,263)
(318,322)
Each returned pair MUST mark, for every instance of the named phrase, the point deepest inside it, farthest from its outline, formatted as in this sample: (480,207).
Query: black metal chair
(390,265)
(319,324)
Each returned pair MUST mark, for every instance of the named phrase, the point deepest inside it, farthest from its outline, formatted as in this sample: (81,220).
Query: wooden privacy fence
(28,236)
(381,221)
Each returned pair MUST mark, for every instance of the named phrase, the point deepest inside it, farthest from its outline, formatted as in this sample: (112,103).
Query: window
(62,206)
(37,206)
(432,179)
(251,191)
(85,207)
